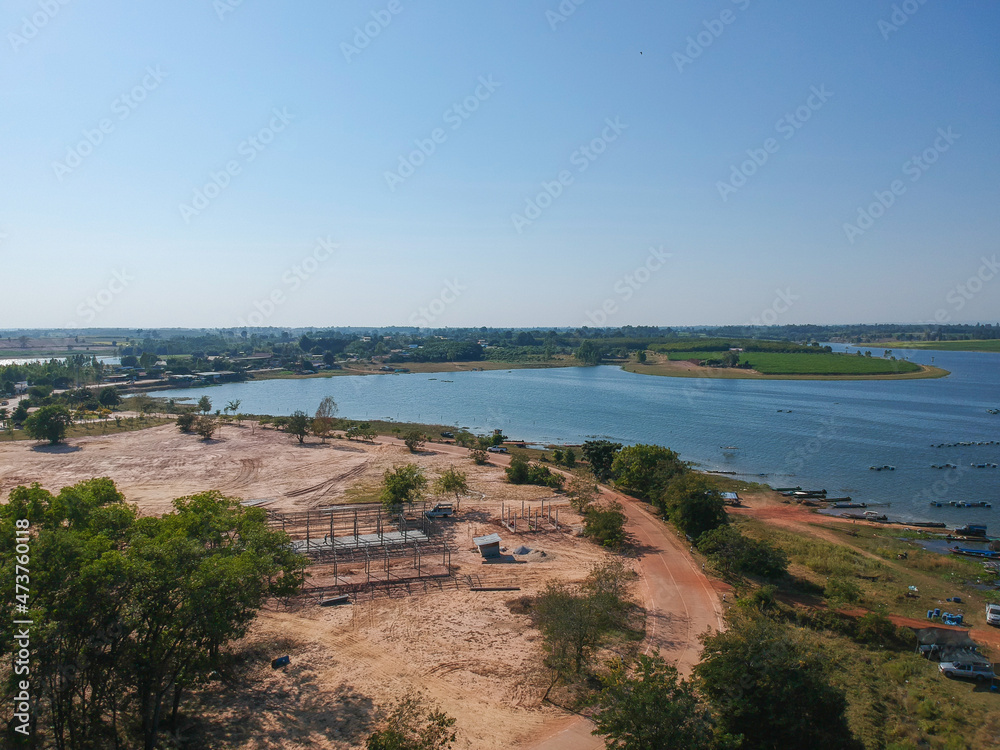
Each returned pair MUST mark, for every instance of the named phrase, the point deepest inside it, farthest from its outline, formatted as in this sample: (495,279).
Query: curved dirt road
(680,602)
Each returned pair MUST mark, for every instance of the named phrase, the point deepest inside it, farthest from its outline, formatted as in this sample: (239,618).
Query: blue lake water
(817,434)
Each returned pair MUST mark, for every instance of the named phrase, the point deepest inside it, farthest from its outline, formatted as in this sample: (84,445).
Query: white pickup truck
(993,614)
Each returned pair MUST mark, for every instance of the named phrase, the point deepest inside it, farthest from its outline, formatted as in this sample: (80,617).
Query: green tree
(453,481)
(135,610)
(233,406)
(109,397)
(693,505)
(648,706)
(604,524)
(298,425)
(641,357)
(322,424)
(186,421)
(589,353)
(575,621)
(581,492)
(644,471)
(600,454)
(736,555)
(49,423)
(204,404)
(414,440)
(412,725)
(205,426)
(404,484)
(569,458)
(769,688)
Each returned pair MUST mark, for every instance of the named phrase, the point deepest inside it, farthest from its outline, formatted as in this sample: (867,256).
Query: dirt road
(680,601)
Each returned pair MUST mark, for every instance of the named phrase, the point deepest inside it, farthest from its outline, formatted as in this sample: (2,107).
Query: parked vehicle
(447,435)
(993,614)
(497,449)
(441,510)
(967,669)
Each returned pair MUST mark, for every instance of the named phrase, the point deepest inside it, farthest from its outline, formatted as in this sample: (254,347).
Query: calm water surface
(817,434)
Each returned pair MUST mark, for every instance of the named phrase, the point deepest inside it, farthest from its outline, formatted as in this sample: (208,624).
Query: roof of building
(482,541)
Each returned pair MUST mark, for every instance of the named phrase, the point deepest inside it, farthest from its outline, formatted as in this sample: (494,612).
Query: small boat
(989,554)
(787,489)
(729,447)
(850,505)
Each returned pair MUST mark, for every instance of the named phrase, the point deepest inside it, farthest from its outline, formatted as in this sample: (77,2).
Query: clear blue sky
(886,94)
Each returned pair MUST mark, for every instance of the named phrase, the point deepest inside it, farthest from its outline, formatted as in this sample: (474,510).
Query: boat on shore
(850,505)
(982,553)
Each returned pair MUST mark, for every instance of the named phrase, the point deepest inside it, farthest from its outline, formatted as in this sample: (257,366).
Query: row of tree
(131,611)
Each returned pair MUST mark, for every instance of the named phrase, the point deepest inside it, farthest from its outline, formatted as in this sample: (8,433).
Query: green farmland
(823,363)
(970,345)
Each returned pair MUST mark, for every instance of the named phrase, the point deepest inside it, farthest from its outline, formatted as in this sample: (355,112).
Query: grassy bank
(896,699)
(784,366)
(972,345)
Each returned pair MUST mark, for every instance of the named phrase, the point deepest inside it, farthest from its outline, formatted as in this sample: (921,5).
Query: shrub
(605,524)
(185,422)
(479,456)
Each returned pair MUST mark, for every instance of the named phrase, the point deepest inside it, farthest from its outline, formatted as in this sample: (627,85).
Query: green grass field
(977,345)
(780,363)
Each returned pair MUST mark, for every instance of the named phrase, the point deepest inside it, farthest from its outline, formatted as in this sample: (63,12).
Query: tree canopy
(135,610)
(693,505)
(770,689)
(49,423)
(644,471)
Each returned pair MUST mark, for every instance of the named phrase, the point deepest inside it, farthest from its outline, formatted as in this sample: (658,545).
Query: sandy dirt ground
(464,650)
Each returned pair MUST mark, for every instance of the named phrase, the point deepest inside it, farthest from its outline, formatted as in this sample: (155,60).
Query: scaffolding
(533,519)
(355,549)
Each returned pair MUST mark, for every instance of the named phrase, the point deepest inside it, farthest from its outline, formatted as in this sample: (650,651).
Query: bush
(479,456)
(842,589)
(185,422)
(737,555)
(605,525)
(205,426)
(693,505)
(414,440)
(521,472)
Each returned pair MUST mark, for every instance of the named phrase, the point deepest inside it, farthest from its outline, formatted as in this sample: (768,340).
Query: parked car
(447,435)
(441,510)
(967,669)
(497,449)
(993,614)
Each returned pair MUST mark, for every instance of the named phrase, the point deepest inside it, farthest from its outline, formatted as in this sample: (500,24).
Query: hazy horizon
(234,164)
